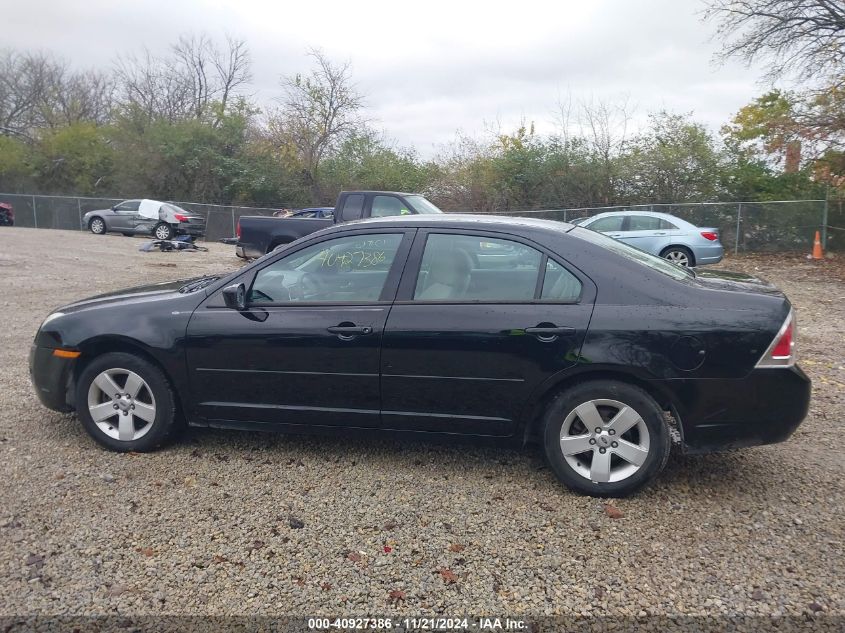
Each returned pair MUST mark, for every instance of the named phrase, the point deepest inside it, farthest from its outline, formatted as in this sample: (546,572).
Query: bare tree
(40,91)
(318,112)
(188,82)
(604,127)
(210,74)
(23,82)
(804,36)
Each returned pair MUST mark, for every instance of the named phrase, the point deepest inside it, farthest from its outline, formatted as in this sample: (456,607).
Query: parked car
(562,336)
(258,235)
(7,214)
(162,220)
(660,234)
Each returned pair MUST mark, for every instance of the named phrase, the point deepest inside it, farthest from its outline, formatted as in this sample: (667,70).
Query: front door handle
(348,330)
(549,333)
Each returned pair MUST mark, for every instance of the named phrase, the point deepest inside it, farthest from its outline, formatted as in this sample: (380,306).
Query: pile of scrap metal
(178,243)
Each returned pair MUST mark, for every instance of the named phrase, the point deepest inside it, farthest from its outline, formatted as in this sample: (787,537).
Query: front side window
(422,205)
(388,205)
(129,205)
(342,270)
(613,223)
(475,268)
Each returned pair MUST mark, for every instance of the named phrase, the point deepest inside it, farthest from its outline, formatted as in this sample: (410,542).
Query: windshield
(634,254)
(421,205)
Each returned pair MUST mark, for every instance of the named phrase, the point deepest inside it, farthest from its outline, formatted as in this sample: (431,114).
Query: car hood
(738,282)
(137,294)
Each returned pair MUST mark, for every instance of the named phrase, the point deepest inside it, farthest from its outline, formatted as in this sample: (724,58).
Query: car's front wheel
(125,403)
(679,255)
(605,438)
(97,226)
(163,231)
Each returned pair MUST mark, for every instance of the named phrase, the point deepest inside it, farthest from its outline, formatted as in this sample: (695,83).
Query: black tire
(156,385)
(677,254)
(97,225)
(659,440)
(163,231)
(128,234)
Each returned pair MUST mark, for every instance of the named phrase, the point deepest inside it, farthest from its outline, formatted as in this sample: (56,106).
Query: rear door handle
(348,331)
(549,333)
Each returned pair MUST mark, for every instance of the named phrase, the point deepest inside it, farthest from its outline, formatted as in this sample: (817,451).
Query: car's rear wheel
(679,255)
(605,438)
(163,231)
(97,226)
(125,403)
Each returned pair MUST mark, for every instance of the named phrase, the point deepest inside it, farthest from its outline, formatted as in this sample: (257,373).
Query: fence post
(34,214)
(824,218)
(738,221)
(79,207)
(233,221)
(564,215)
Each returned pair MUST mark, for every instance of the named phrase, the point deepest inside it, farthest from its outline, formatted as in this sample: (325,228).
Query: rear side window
(352,207)
(643,223)
(476,268)
(665,225)
(607,224)
(559,284)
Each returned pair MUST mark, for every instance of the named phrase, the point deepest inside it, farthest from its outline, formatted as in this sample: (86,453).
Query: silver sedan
(660,234)
(128,219)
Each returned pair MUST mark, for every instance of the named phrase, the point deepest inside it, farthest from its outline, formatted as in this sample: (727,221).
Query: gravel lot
(238,523)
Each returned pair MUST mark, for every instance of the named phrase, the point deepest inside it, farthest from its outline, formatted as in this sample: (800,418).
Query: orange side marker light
(66,353)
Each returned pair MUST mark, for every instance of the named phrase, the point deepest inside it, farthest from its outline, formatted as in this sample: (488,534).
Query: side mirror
(234,296)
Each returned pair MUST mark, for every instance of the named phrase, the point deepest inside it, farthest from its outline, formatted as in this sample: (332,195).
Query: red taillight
(238,229)
(710,235)
(783,346)
(781,351)
(181,218)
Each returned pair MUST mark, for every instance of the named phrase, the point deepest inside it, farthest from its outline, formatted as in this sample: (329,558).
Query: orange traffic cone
(817,247)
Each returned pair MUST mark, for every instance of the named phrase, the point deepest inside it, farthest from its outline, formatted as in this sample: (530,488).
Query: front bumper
(765,407)
(51,376)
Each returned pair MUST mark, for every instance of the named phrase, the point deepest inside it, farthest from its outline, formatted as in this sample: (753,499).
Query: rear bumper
(51,377)
(765,407)
(247,251)
(708,254)
(197,230)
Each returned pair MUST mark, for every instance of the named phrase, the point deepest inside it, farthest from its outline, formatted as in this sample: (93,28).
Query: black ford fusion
(513,329)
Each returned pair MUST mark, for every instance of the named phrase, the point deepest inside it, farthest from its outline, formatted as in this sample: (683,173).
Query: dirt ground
(239,523)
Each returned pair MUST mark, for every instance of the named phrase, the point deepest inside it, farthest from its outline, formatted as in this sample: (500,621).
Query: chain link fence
(743,226)
(787,225)
(65,212)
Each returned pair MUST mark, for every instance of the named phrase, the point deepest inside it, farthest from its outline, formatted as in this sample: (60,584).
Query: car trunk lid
(735,281)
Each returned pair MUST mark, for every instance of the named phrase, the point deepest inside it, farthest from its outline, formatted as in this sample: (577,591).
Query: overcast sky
(429,68)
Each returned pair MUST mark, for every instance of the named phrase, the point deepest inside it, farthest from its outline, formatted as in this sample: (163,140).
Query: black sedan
(512,329)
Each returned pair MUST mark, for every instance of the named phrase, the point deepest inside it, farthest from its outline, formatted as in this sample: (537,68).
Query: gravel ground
(238,523)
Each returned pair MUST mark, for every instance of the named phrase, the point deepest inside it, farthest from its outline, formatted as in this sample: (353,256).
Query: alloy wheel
(121,404)
(98,226)
(604,440)
(677,257)
(162,232)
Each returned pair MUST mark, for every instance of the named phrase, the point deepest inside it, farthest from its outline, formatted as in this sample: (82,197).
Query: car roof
(466,221)
(651,214)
